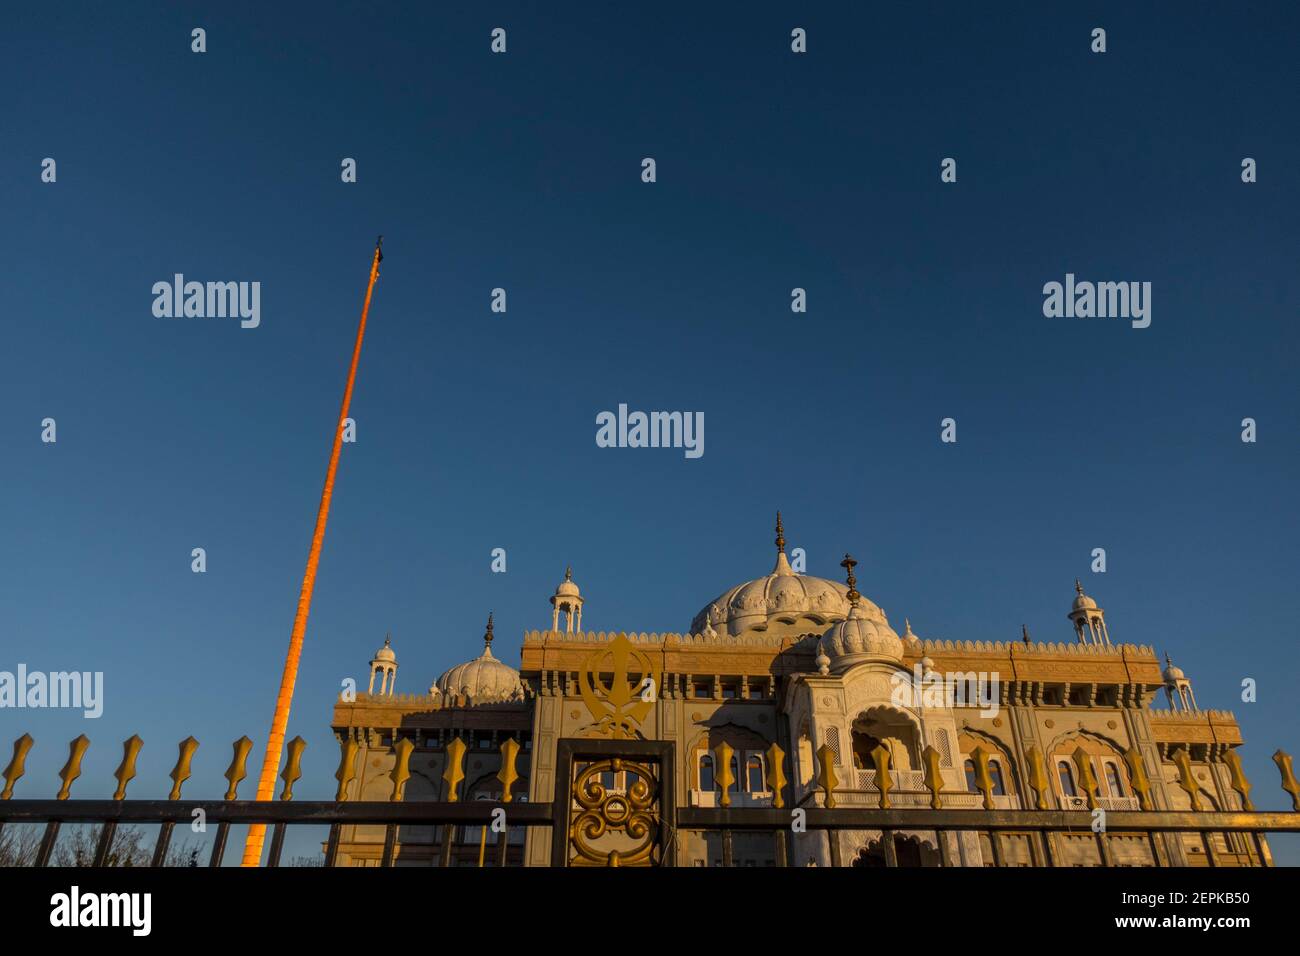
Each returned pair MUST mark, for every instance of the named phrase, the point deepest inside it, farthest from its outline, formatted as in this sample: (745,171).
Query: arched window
(706,771)
(1114,782)
(754,774)
(995,771)
(970,776)
(1066,776)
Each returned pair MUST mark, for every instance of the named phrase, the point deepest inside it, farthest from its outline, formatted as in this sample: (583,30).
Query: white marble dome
(784,602)
(385,654)
(484,680)
(783,597)
(566,587)
(865,635)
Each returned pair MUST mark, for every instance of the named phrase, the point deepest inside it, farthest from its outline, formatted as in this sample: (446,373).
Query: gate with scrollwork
(614,803)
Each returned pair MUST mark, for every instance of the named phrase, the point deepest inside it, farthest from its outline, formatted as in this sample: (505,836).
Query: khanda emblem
(619,706)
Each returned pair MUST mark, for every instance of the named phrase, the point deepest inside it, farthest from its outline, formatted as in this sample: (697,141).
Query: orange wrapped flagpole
(280,722)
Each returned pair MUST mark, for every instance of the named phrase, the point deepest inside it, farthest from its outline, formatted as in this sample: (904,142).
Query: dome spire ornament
(487,637)
(782,566)
(850,563)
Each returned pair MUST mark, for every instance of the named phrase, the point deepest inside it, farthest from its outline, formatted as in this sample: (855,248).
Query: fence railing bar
(163,842)
(219,844)
(105,843)
(277,845)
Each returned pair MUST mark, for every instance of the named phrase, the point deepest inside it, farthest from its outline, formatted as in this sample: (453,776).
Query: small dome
(1171,673)
(567,588)
(484,680)
(385,653)
(862,637)
(865,635)
(1082,602)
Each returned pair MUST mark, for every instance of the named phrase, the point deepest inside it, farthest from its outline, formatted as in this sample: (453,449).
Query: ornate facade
(811,665)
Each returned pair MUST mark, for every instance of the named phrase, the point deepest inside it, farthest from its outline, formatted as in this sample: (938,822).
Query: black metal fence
(818,815)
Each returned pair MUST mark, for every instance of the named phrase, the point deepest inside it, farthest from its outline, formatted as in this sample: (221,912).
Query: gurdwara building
(810,665)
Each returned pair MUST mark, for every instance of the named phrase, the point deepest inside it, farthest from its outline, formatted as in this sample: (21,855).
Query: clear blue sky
(476,430)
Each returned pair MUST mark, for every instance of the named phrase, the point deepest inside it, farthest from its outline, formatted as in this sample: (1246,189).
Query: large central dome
(782,602)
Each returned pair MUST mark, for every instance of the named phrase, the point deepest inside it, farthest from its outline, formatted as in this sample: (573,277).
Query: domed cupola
(1177,687)
(863,636)
(567,600)
(1089,620)
(781,603)
(384,666)
(484,680)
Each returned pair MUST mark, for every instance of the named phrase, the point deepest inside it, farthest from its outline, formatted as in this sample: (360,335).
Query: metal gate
(614,803)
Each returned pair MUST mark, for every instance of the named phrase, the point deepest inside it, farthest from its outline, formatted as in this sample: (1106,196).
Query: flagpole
(280,721)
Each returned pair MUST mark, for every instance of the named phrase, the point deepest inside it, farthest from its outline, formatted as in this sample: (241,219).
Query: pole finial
(1078,587)
(1024,633)
(487,637)
(848,564)
(780,534)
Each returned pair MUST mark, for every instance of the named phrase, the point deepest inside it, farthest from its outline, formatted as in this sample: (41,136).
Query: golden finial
(181,772)
(454,772)
(401,771)
(1289,784)
(238,768)
(126,770)
(884,782)
(776,775)
(508,773)
(849,563)
(1037,777)
(983,776)
(780,534)
(16,767)
(292,771)
(933,776)
(1087,779)
(1238,778)
(1185,779)
(347,771)
(487,636)
(568,572)
(826,775)
(1078,587)
(72,769)
(1137,775)
(723,775)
